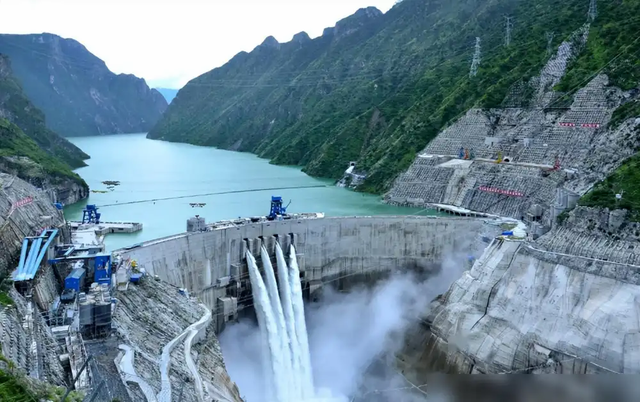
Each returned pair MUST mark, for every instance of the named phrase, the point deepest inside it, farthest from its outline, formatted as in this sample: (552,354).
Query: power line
(215,193)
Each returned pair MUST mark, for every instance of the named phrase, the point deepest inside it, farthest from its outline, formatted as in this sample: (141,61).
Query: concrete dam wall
(211,264)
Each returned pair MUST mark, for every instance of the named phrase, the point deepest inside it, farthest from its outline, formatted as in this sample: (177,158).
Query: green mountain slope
(15,143)
(75,89)
(377,88)
(15,106)
(623,181)
(23,134)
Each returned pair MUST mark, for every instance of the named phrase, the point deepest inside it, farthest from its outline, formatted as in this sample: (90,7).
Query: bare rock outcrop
(151,315)
(24,209)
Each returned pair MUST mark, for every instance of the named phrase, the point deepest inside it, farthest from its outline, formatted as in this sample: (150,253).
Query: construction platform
(104,228)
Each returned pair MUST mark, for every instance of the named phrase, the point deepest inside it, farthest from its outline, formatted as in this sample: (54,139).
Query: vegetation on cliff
(624,181)
(15,143)
(612,47)
(76,90)
(626,111)
(377,88)
(23,134)
(16,387)
(15,106)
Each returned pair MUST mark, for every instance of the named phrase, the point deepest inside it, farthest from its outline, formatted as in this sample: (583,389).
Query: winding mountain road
(194,329)
(129,373)
(165,359)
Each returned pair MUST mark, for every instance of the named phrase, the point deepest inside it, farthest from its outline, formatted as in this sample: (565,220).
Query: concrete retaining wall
(327,249)
(517,308)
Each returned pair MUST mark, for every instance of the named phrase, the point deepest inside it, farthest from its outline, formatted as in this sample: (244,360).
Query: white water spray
(272,362)
(285,297)
(287,361)
(300,325)
(276,306)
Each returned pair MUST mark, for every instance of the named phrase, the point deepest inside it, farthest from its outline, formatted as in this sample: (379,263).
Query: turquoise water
(148,170)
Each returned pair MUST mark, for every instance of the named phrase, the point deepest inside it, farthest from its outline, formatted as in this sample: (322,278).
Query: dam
(343,251)
(503,303)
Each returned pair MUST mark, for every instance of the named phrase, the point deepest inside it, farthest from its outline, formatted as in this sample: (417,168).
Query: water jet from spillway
(300,325)
(272,365)
(283,330)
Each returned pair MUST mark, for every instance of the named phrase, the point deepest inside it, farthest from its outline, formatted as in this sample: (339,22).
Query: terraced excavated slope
(75,89)
(378,87)
(536,128)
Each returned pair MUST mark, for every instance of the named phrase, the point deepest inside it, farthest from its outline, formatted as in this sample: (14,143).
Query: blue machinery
(276,207)
(101,265)
(32,254)
(90,214)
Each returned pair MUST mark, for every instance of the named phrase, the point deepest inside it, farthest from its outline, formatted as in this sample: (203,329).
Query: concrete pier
(104,228)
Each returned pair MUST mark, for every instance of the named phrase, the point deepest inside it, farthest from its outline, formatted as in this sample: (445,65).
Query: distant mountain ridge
(168,93)
(75,89)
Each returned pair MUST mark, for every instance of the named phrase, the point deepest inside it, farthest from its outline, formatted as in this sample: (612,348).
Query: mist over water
(353,338)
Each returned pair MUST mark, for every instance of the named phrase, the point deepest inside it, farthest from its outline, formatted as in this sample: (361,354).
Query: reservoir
(150,170)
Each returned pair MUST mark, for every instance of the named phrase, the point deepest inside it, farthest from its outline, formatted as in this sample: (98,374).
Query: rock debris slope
(158,324)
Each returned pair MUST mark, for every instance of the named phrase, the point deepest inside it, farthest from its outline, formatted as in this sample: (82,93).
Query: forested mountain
(23,134)
(376,88)
(75,89)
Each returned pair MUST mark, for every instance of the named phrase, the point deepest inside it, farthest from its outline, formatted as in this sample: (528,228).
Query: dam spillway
(342,250)
(286,362)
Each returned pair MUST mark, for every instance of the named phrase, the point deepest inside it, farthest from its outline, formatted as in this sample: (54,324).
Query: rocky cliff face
(75,89)
(16,341)
(23,210)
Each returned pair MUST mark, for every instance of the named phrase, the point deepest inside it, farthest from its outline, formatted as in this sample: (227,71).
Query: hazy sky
(168,42)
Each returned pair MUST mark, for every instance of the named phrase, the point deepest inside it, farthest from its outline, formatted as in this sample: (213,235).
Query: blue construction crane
(276,207)
(90,214)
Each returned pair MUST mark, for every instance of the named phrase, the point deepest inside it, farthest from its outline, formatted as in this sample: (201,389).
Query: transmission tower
(550,36)
(593,10)
(509,26)
(476,59)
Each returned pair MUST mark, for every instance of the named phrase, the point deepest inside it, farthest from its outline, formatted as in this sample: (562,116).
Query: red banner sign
(585,125)
(21,203)
(500,191)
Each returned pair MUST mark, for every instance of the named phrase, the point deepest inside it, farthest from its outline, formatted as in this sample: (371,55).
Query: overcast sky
(168,42)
